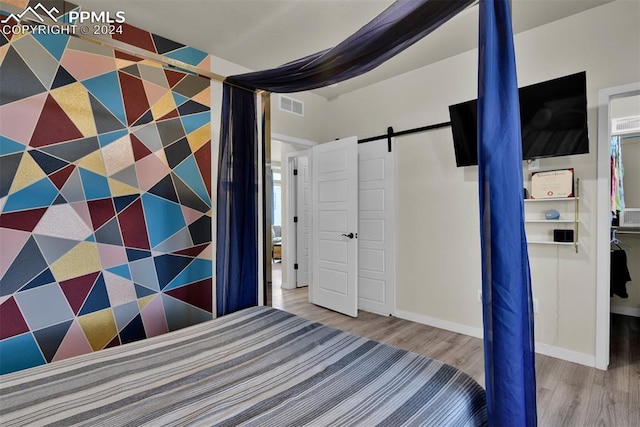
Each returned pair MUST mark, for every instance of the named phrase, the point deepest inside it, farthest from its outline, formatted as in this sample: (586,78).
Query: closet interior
(625,231)
(625,206)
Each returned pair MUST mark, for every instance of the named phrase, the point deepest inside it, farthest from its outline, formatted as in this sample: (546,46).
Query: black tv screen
(553,119)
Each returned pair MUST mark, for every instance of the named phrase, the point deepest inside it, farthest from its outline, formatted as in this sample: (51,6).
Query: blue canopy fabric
(396,28)
(507,303)
(237,226)
(392,31)
(506,282)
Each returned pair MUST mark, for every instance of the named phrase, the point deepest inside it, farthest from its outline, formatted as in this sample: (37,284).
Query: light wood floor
(568,394)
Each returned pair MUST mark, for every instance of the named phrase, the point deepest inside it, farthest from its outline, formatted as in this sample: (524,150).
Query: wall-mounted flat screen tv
(553,120)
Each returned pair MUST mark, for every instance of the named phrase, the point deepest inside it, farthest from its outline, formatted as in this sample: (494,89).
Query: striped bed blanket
(257,367)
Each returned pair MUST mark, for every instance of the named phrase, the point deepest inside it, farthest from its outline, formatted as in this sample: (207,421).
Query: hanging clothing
(617,176)
(619,273)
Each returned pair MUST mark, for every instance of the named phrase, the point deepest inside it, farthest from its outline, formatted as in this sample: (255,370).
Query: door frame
(603,224)
(289,245)
(298,142)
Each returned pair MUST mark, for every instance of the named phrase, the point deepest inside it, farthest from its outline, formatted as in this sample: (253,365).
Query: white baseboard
(568,355)
(439,323)
(284,285)
(627,311)
(544,349)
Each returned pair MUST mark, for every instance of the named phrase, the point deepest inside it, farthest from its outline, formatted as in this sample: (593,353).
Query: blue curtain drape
(396,28)
(237,227)
(506,282)
(507,305)
(392,31)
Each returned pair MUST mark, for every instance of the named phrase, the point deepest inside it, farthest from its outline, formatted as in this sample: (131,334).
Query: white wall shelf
(556,199)
(546,242)
(558,202)
(547,221)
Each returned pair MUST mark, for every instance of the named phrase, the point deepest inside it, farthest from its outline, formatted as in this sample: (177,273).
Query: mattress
(256,367)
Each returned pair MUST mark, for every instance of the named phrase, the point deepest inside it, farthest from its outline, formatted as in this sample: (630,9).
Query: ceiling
(260,34)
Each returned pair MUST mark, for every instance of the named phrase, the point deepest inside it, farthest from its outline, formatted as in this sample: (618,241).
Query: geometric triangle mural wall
(105,196)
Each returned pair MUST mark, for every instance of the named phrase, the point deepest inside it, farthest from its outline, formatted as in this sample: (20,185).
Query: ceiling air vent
(625,125)
(291,105)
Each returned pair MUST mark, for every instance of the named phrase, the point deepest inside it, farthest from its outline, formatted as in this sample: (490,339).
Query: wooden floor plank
(568,394)
(570,399)
(607,407)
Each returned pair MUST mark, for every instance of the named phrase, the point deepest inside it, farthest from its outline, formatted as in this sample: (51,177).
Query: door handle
(350,235)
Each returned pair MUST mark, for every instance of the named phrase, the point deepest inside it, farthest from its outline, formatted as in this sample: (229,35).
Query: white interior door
(334,283)
(376,224)
(303,226)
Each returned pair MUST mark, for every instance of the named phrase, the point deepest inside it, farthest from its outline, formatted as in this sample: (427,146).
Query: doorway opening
(372,230)
(276,227)
(297,222)
(616,324)
(282,149)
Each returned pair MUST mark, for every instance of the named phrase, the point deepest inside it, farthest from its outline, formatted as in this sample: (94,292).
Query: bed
(256,367)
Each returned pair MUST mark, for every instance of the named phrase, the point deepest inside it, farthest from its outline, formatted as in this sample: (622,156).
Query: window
(277,198)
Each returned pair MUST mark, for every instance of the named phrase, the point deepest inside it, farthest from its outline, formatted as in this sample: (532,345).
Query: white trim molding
(439,323)
(564,354)
(544,349)
(626,311)
(292,140)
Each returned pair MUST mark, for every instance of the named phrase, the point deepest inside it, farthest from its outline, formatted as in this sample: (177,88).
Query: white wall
(625,107)
(310,127)
(438,259)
